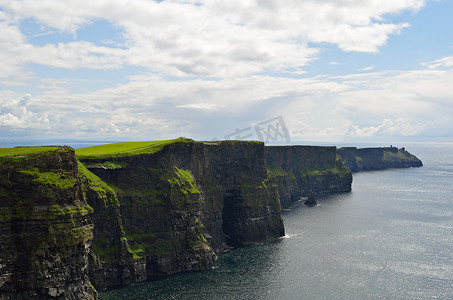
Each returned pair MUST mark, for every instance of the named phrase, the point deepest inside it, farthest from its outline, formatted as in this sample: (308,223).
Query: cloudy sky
(334,70)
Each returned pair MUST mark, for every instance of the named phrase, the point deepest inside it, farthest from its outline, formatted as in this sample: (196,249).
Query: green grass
(110,165)
(123,149)
(278,171)
(94,181)
(25,150)
(184,181)
(151,244)
(60,180)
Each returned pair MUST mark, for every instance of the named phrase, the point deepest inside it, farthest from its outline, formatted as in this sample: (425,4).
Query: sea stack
(310,202)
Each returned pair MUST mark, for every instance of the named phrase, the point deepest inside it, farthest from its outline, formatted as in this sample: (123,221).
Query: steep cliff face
(125,213)
(368,159)
(175,207)
(45,227)
(111,261)
(301,170)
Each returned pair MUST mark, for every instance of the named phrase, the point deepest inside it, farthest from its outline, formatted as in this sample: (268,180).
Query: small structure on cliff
(368,159)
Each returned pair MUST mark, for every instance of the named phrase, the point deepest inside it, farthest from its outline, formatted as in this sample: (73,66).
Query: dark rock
(124,219)
(368,159)
(301,170)
(172,210)
(310,202)
(45,228)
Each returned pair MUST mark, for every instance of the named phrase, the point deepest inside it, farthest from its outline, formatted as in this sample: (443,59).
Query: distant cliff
(301,170)
(127,212)
(45,226)
(367,159)
(171,210)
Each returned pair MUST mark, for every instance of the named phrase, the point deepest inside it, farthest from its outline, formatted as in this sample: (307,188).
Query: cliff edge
(368,159)
(174,205)
(303,170)
(45,226)
(116,214)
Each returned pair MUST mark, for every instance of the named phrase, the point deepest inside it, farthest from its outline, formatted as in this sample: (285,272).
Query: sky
(324,70)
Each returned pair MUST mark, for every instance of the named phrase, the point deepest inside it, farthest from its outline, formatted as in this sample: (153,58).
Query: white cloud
(203,38)
(443,62)
(326,108)
(236,42)
(202,106)
(394,94)
(121,131)
(77,55)
(14,114)
(369,68)
(11,42)
(388,127)
(375,104)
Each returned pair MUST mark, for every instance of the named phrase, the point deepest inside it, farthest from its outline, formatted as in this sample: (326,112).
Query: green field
(123,149)
(25,150)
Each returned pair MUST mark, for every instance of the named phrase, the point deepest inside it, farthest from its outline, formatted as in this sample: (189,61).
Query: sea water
(390,238)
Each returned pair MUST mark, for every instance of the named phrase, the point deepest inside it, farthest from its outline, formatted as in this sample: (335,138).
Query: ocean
(390,238)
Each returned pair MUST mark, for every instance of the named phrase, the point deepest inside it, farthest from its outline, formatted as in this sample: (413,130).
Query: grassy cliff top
(23,151)
(124,149)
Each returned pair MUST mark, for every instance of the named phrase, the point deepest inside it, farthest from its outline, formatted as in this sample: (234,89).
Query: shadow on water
(240,274)
(390,238)
(250,272)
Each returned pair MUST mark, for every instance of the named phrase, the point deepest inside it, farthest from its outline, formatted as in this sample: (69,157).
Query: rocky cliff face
(368,159)
(172,210)
(301,170)
(45,228)
(124,218)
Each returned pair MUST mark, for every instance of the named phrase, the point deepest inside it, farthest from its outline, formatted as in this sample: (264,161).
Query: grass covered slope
(37,166)
(40,183)
(21,151)
(124,149)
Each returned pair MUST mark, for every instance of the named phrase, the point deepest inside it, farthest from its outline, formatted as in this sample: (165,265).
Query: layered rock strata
(302,170)
(175,208)
(45,228)
(127,217)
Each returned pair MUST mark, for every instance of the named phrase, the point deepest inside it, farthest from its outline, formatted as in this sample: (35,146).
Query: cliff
(170,206)
(127,212)
(302,170)
(367,159)
(45,226)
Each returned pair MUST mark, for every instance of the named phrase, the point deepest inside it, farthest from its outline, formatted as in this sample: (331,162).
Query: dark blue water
(391,238)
